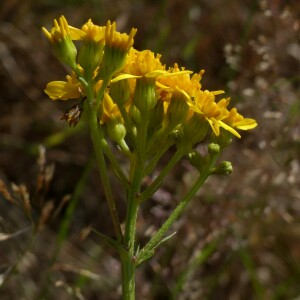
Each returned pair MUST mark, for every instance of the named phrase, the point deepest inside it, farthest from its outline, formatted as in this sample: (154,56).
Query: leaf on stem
(147,254)
(113,243)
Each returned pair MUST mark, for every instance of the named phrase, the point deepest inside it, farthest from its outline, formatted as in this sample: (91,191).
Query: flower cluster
(137,97)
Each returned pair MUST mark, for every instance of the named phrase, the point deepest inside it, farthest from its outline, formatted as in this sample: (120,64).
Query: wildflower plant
(136,105)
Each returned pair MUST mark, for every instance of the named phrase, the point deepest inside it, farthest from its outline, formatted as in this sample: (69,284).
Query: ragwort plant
(136,105)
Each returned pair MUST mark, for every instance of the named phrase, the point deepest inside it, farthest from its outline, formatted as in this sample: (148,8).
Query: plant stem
(136,176)
(128,262)
(157,156)
(157,182)
(148,250)
(91,107)
(128,278)
(115,165)
(96,135)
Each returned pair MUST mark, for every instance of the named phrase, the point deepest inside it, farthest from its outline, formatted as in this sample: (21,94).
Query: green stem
(91,107)
(148,250)
(128,278)
(159,153)
(146,194)
(128,262)
(136,175)
(115,165)
(96,135)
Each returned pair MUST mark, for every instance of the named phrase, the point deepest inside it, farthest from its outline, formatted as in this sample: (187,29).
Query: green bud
(196,159)
(135,115)
(113,60)
(120,92)
(60,38)
(177,109)
(224,168)
(66,51)
(157,116)
(116,130)
(90,56)
(144,97)
(194,130)
(213,149)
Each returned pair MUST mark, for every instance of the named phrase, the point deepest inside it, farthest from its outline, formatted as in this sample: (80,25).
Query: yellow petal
(217,92)
(214,126)
(228,128)
(75,33)
(62,90)
(156,73)
(124,76)
(246,124)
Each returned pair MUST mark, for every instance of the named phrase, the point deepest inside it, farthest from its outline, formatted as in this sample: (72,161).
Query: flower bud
(60,38)
(224,168)
(116,48)
(213,149)
(135,115)
(90,56)
(120,92)
(116,130)
(157,117)
(194,130)
(144,97)
(177,109)
(196,159)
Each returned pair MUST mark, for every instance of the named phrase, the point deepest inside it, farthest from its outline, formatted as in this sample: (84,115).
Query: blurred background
(239,238)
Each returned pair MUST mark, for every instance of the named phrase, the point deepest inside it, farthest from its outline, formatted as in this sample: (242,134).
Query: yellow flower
(115,39)
(145,64)
(116,48)
(61,38)
(90,54)
(217,114)
(204,104)
(180,80)
(64,90)
(144,67)
(92,32)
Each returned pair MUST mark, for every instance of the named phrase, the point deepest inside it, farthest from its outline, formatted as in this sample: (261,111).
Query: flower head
(92,32)
(145,64)
(61,38)
(217,114)
(115,39)
(180,80)
(90,54)
(116,48)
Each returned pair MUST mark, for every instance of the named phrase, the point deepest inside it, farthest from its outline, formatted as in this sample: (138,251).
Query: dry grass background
(240,237)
